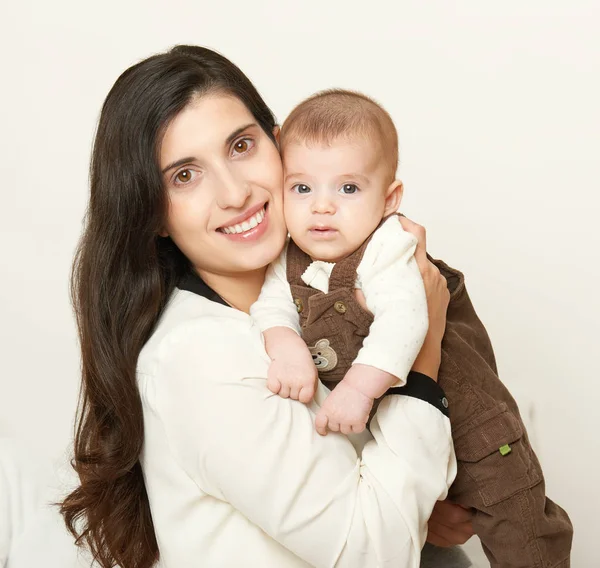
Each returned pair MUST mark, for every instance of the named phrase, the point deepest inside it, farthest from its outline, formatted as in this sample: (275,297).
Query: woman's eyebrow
(238,131)
(229,140)
(178,163)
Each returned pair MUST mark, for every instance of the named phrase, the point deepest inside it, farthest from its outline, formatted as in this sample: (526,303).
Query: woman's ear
(276,131)
(393,197)
(163,233)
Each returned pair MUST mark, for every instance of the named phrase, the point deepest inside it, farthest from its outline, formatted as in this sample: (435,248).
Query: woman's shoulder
(192,320)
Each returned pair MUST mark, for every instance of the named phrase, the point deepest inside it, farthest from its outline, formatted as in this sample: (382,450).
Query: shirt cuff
(425,388)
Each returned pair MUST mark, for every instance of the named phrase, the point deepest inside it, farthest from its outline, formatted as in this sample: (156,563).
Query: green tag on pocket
(505,450)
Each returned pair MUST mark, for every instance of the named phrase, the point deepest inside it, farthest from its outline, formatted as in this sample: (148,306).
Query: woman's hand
(436,289)
(449,524)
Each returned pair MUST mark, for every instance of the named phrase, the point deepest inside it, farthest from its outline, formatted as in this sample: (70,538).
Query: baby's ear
(276,132)
(393,197)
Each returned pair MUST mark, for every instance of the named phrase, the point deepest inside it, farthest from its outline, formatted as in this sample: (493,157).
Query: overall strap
(297,262)
(344,272)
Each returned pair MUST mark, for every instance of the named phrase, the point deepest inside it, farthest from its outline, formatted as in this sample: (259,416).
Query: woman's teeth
(254,221)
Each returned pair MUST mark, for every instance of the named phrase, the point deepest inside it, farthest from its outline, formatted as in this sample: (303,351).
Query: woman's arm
(261,454)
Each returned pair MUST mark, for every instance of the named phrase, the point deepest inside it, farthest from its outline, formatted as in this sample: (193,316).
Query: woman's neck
(239,290)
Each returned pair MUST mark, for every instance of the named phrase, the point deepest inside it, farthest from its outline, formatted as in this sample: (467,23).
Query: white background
(497,107)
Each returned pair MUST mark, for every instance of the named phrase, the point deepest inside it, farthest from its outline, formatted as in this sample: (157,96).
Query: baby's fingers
(346,428)
(352,427)
(273,385)
(306,394)
(321,423)
(284,392)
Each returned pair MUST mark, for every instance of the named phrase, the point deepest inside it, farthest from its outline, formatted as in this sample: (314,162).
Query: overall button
(340,307)
(299,305)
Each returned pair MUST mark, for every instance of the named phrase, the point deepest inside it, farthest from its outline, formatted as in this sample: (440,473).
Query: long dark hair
(123,274)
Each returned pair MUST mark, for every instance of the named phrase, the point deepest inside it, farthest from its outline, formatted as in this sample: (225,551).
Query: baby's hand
(291,378)
(292,373)
(345,410)
(348,406)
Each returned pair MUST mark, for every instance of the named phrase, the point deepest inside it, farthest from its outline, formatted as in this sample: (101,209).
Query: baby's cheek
(295,224)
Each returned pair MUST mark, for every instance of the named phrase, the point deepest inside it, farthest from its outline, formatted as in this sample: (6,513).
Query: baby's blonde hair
(341,114)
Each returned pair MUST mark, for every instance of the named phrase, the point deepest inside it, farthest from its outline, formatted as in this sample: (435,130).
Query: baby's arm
(391,282)
(292,372)
(394,293)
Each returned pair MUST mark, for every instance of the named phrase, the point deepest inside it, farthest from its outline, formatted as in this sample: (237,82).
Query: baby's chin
(326,251)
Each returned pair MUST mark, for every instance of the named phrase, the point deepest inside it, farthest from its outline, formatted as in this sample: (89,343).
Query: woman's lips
(252,234)
(243,217)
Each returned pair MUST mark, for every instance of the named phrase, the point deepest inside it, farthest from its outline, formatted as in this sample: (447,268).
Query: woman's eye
(243,145)
(349,188)
(301,188)
(184,177)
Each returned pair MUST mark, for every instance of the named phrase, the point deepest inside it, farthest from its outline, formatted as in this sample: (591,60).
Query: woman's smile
(253,226)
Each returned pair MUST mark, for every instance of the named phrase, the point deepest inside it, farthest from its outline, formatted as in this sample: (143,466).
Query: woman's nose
(234,190)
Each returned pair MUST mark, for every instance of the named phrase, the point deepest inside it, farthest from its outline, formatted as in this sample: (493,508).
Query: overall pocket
(496,456)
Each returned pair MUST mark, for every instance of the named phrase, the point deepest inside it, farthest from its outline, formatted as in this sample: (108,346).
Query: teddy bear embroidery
(324,356)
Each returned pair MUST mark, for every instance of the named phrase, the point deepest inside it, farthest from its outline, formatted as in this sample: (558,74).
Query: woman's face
(223,176)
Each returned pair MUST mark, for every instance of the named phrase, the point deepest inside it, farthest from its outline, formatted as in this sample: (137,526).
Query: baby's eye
(301,188)
(349,188)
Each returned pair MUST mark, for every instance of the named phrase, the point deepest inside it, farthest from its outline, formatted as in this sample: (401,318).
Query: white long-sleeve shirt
(389,278)
(238,476)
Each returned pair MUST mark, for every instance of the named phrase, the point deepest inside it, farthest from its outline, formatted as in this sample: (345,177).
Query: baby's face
(334,195)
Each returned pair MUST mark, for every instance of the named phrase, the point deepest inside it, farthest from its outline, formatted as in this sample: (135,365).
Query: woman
(180,446)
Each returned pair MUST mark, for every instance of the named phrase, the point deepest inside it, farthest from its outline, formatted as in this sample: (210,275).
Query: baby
(340,156)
